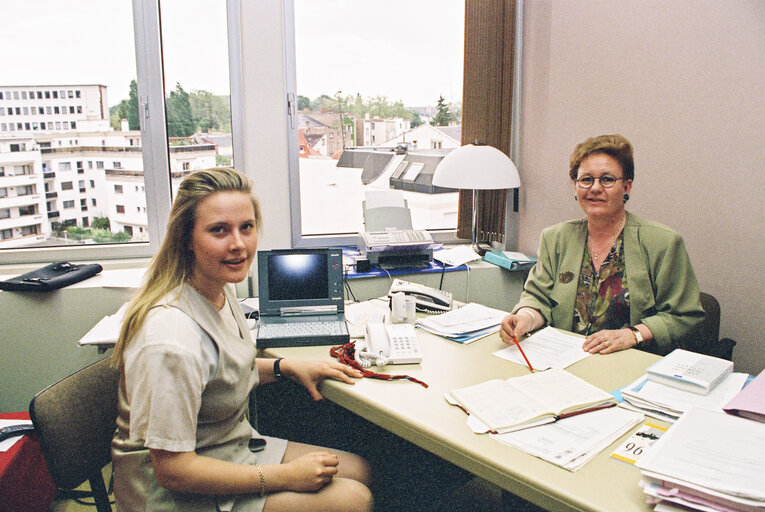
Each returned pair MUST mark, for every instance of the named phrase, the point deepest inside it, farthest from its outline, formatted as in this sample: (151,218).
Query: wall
(685,82)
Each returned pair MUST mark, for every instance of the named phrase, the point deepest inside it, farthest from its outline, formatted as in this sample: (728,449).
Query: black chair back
(75,421)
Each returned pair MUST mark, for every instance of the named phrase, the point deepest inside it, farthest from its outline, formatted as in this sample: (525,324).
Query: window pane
(197,88)
(370,80)
(76,107)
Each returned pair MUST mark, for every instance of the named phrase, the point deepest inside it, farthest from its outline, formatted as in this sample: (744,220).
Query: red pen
(515,340)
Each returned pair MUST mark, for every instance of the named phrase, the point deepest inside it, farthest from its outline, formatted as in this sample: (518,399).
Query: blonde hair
(174,262)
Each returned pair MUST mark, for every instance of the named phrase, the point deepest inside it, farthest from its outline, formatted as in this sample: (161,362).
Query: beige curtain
(487,104)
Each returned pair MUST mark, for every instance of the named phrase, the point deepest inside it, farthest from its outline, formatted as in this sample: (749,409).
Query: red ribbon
(345,354)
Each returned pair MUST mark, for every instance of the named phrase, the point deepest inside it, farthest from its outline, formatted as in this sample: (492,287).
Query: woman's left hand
(311,373)
(607,341)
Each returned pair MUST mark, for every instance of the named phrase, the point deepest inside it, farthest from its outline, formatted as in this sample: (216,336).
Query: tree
(444,115)
(131,107)
(304,102)
(180,122)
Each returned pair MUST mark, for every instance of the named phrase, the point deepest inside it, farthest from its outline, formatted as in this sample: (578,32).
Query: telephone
(427,299)
(388,344)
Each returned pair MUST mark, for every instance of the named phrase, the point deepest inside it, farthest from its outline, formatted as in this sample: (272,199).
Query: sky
(409,50)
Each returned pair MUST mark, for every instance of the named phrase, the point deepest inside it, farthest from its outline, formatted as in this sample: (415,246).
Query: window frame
(299,240)
(155,153)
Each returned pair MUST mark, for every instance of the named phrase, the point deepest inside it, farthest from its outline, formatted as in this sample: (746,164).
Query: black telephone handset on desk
(388,344)
(426,298)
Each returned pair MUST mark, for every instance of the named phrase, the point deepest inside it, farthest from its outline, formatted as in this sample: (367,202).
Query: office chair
(706,338)
(75,421)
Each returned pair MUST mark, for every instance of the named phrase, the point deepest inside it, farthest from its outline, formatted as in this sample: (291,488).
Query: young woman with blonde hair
(188,366)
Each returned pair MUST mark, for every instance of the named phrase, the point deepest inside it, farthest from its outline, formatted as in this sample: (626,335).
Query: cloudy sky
(402,49)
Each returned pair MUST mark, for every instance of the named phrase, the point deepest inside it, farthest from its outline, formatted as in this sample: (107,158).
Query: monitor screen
(298,276)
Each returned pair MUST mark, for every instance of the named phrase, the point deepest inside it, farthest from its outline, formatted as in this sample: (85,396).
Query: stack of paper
(707,461)
(668,402)
(466,324)
(572,442)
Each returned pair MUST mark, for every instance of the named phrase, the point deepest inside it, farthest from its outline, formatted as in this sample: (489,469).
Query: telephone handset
(427,299)
(388,344)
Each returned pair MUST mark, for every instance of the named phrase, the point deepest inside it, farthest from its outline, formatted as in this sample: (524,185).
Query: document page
(547,348)
(572,442)
(712,449)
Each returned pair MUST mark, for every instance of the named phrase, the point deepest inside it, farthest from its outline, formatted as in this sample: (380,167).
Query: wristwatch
(277,369)
(636,334)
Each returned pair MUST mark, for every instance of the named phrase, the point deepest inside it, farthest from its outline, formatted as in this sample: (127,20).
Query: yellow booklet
(530,400)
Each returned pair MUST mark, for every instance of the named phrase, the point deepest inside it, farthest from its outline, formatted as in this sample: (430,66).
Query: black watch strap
(277,368)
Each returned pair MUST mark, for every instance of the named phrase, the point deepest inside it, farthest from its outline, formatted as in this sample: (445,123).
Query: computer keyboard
(301,329)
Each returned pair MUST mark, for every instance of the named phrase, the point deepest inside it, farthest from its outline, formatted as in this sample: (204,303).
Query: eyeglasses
(605,181)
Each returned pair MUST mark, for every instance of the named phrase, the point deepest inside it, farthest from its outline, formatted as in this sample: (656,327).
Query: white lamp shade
(478,168)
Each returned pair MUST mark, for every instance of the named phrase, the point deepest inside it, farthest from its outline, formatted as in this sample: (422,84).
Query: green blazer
(664,293)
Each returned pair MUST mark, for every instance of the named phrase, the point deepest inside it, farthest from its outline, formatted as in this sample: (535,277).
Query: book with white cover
(698,373)
(530,400)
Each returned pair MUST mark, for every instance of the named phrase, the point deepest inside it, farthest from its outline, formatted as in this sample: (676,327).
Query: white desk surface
(423,417)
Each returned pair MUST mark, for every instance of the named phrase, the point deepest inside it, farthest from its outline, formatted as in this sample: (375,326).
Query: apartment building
(375,131)
(23,211)
(37,108)
(62,167)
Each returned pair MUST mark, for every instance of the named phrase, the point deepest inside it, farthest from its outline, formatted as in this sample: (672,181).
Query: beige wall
(685,82)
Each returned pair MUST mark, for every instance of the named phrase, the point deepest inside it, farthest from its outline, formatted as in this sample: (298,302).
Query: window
(68,204)
(67,185)
(5,213)
(27,210)
(120,208)
(334,101)
(6,233)
(29,230)
(64,166)
(118,189)
(93,201)
(26,190)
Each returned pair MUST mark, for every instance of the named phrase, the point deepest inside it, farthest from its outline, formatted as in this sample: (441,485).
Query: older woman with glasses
(619,280)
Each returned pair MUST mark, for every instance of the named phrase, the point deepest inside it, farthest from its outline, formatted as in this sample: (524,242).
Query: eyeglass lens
(605,181)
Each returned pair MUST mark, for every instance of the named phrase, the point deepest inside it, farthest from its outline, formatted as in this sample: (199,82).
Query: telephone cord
(346,355)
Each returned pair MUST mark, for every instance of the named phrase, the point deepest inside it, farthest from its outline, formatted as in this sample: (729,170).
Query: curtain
(487,104)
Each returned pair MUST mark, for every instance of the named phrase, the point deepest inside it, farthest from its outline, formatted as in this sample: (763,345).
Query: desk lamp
(476,167)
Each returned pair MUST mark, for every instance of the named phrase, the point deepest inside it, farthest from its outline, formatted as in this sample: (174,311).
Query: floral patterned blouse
(602,298)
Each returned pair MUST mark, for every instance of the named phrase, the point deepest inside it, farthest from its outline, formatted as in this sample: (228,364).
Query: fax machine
(389,240)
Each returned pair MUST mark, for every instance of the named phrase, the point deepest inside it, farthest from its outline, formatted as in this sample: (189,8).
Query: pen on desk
(515,340)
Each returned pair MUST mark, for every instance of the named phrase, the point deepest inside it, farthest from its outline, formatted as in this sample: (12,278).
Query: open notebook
(300,292)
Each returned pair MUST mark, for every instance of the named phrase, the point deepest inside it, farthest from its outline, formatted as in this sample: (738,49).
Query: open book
(530,400)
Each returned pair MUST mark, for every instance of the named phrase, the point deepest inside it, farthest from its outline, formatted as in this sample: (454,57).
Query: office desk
(423,417)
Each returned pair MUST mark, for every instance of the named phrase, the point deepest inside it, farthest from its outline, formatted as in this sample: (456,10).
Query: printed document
(547,348)
(711,449)
(572,442)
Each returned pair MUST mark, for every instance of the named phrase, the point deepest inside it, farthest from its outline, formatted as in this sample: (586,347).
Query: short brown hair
(615,145)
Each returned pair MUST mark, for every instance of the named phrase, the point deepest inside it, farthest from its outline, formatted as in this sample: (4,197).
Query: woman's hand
(607,341)
(311,373)
(312,471)
(515,325)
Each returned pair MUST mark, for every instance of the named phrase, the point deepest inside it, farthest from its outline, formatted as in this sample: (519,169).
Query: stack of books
(680,381)
(709,461)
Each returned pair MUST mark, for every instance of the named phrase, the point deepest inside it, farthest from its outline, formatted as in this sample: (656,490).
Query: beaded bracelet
(262,480)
